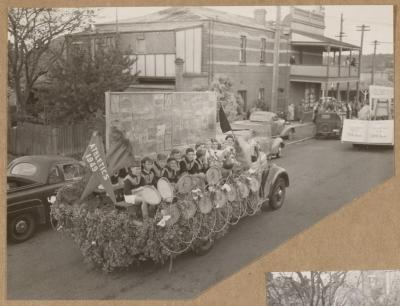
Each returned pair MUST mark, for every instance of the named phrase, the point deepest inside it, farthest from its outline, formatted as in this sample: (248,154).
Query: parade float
(375,123)
(188,216)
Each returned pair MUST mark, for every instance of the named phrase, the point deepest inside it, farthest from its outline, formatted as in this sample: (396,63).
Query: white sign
(383,96)
(380,132)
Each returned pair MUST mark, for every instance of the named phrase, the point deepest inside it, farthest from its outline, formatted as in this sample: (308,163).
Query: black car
(31,182)
(328,124)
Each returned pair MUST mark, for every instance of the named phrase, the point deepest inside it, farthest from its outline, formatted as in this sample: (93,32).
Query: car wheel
(277,195)
(202,247)
(21,227)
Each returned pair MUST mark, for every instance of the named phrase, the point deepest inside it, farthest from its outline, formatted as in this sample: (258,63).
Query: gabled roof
(190,14)
(305,38)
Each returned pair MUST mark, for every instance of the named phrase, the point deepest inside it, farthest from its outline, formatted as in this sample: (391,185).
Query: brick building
(213,43)
(209,42)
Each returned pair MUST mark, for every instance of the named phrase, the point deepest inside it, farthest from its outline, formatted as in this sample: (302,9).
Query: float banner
(378,132)
(95,159)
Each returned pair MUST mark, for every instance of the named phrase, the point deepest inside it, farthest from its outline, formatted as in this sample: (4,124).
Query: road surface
(324,176)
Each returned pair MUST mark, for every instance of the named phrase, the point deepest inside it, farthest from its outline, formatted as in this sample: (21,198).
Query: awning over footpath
(309,39)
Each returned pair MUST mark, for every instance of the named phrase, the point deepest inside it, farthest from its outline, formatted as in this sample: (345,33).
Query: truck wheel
(203,247)
(21,227)
(277,195)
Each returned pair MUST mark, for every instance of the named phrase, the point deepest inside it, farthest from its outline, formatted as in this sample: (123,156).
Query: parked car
(266,124)
(31,182)
(328,124)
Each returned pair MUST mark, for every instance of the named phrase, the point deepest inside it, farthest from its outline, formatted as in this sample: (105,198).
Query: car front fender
(274,173)
(286,130)
(276,143)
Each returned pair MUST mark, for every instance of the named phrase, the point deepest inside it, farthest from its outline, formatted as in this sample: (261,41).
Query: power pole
(116,28)
(341,33)
(363,28)
(275,71)
(375,43)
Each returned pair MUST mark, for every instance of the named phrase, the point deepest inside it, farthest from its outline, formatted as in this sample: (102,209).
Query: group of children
(148,171)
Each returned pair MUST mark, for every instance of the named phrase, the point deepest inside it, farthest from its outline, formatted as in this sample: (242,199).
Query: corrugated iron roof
(144,27)
(318,39)
(192,13)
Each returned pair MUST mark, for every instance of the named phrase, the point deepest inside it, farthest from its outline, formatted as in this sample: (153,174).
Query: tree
(305,288)
(31,32)
(79,81)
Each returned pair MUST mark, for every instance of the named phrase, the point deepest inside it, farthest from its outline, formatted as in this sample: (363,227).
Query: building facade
(320,66)
(210,43)
(188,48)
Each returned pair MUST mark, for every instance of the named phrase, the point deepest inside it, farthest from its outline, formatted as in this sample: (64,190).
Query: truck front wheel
(277,194)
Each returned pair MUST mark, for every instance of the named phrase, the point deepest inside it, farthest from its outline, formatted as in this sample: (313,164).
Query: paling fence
(37,139)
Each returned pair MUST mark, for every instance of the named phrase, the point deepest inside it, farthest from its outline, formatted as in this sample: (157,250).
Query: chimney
(259,16)
(179,74)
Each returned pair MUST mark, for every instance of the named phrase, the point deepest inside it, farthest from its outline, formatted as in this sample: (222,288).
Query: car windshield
(325,116)
(24,169)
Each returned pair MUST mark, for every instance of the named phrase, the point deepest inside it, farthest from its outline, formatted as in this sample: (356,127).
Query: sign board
(380,132)
(384,96)
(157,122)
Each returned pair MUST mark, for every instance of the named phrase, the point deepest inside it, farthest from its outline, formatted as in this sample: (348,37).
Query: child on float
(171,170)
(132,187)
(214,153)
(159,164)
(200,163)
(148,175)
(176,154)
(187,162)
(117,181)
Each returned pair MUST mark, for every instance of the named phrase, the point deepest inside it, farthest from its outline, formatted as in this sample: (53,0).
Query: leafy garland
(111,238)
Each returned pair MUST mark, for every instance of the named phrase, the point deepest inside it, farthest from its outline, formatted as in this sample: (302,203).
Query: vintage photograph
(334,288)
(154,151)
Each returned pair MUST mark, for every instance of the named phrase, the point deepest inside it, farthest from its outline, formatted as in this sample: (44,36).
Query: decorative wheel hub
(21,227)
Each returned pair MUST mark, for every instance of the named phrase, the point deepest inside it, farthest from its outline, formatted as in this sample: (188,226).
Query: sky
(378,17)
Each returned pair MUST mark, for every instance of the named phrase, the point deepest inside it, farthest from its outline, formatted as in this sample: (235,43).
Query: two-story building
(320,66)
(209,42)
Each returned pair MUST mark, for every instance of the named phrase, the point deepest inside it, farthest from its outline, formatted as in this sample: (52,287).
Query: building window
(263,47)
(188,48)
(261,95)
(140,45)
(243,96)
(242,55)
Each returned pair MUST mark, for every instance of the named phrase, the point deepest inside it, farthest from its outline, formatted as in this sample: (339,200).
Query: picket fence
(37,139)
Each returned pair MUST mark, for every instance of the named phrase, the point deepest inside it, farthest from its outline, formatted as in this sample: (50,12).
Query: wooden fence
(36,139)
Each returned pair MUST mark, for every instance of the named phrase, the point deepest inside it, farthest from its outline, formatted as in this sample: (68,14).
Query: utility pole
(116,28)
(341,33)
(375,43)
(275,71)
(363,28)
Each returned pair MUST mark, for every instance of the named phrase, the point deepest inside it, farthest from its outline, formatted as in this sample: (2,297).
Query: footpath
(303,131)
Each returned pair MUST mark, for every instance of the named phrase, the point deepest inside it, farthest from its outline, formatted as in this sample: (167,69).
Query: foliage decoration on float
(113,238)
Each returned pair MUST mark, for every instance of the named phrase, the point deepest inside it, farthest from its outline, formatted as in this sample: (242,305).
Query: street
(324,176)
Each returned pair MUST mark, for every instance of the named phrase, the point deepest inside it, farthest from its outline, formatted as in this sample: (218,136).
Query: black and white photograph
(153,152)
(334,288)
